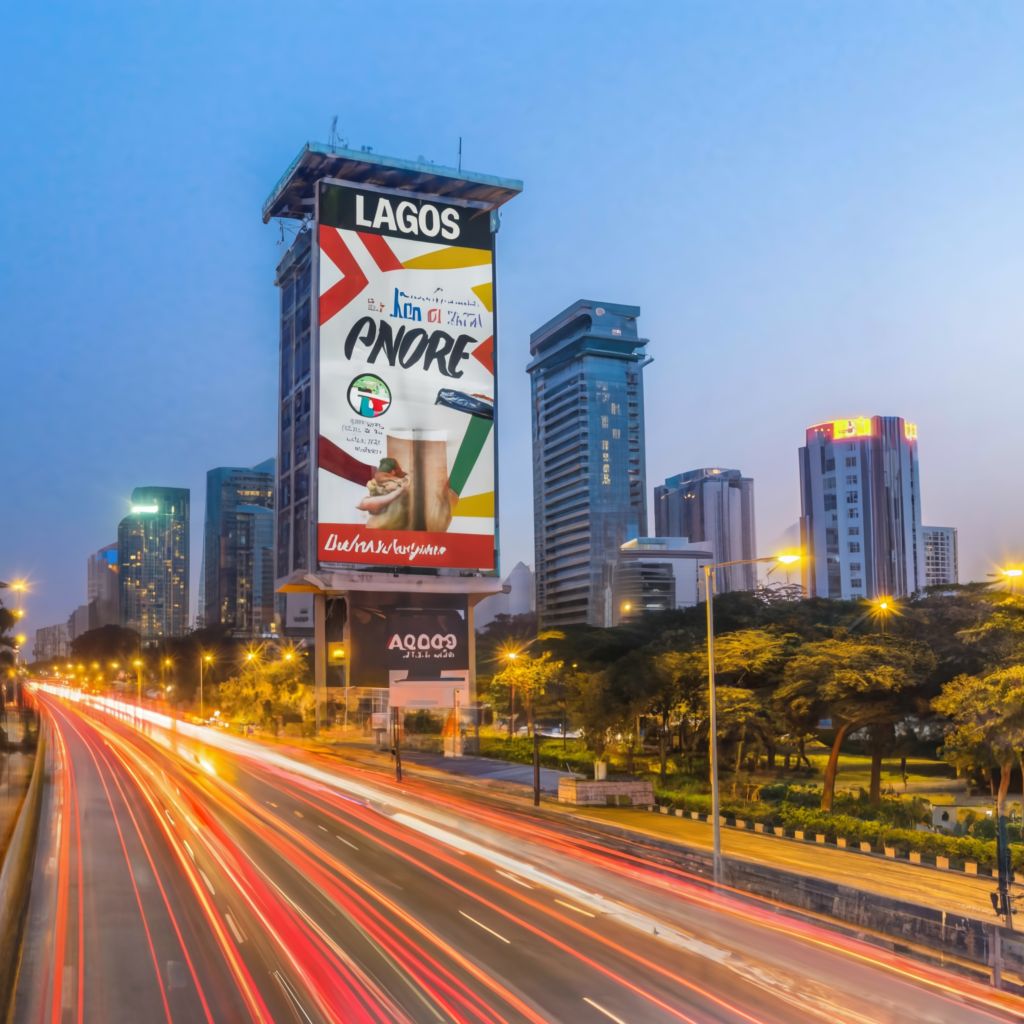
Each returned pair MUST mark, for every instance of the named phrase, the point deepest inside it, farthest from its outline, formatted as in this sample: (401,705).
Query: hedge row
(855,830)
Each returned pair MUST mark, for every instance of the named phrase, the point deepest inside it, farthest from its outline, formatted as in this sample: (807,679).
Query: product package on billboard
(406,446)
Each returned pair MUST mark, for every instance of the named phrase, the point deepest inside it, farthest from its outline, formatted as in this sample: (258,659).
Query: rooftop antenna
(280,228)
(334,132)
(460,153)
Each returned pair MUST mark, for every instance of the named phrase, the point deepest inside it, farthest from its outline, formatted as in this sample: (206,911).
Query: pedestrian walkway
(489,769)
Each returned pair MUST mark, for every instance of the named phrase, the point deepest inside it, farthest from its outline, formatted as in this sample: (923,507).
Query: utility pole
(396,740)
(536,767)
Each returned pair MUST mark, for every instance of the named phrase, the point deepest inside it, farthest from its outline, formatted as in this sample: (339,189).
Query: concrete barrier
(16,878)
(589,793)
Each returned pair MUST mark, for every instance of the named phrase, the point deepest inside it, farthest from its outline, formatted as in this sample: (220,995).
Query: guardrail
(16,878)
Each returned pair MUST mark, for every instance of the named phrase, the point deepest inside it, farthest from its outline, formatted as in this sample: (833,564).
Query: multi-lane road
(188,875)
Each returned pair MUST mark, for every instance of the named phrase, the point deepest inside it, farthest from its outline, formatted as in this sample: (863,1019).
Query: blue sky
(817,207)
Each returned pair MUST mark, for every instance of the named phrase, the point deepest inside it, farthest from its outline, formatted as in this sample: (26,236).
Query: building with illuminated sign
(712,508)
(589,478)
(941,568)
(153,563)
(860,501)
(238,549)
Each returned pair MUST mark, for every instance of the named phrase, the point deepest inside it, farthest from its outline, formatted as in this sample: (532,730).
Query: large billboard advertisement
(406,451)
(417,646)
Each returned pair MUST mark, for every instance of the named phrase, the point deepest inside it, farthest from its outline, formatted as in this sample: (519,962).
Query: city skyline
(841,299)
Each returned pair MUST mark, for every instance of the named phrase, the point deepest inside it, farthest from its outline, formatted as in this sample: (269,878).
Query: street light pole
(716,825)
(709,592)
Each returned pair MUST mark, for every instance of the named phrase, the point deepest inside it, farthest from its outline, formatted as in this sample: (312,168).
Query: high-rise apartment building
(860,499)
(941,561)
(51,642)
(712,508)
(589,480)
(238,547)
(153,562)
(101,588)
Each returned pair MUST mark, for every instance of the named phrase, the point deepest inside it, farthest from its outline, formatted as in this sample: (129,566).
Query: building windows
(854,547)
(853,513)
(854,531)
(851,460)
(856,581)
(851,481)
(830,502)
(830,465)
(830,483)
(855,567)
(852,498)
(604,422)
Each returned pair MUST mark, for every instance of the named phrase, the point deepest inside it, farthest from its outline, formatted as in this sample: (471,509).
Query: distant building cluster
(861,528)
(141,581)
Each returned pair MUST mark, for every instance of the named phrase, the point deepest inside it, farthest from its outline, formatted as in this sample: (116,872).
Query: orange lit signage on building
(910,431)
(842,429)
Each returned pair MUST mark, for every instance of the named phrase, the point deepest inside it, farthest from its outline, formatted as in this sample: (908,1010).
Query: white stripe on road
(512,878)
(298,814)
(579,910)
(601,1009)
(184,843)
(323,828)
(480,924)
(291,993)
(235,930)
(207,882)
(346,842)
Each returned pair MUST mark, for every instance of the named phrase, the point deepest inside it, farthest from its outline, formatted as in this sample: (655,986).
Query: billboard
(406,449)
(401,638)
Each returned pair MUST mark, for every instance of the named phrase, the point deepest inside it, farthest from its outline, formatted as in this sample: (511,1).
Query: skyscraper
(941,566)
(238,547)
(589,479)
(153,559)
(101,588)
(860,498)
(713,508)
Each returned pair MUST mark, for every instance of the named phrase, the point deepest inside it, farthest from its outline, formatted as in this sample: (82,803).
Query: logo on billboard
(369,396)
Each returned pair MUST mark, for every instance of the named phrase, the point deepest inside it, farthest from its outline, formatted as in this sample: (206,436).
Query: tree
(857,682)
(264,691)
(987,730)
(106,644)
(531,676)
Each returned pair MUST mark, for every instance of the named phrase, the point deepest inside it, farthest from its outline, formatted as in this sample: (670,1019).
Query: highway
(185,874)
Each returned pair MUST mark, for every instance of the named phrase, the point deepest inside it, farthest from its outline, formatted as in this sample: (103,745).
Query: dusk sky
(816,206)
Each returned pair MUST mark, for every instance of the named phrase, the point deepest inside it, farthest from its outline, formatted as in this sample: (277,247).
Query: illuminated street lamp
(709,592)
(882,608)
(1012,574)
(204,659)
(137,665)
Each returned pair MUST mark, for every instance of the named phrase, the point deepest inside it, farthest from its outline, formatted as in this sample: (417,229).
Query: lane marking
(207,882)
(298,813)
(346,842)
(184,843)
(512,878)
(579,910)
(169,818)
(290,992)
(235,930)
(480,924)
(323,828)
(271,803)
(601,1009)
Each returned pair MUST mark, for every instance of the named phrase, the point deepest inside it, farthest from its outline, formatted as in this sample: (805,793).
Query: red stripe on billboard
(339,295)
(377,246)
(337,461)
(344,542)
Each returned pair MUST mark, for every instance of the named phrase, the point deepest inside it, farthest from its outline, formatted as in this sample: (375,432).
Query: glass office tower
(237,552)
(153,560)
(588,456)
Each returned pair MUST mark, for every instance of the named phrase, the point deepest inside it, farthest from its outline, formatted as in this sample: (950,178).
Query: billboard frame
(494,222)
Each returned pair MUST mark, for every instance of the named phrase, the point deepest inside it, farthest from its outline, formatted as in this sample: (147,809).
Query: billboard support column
(320,657)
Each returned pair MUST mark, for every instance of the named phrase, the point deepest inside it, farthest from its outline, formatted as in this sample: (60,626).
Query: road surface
(188,875)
